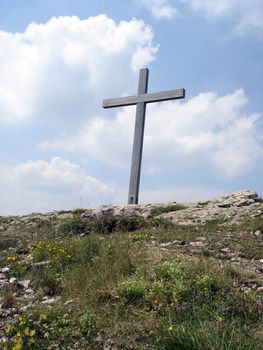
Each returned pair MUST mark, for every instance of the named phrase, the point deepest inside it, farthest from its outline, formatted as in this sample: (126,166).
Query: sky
(60,150)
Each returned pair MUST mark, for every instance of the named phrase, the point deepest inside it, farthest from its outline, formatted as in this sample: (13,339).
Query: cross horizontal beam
(146,98)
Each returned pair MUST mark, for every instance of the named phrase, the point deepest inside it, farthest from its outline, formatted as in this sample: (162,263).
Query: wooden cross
(140,100)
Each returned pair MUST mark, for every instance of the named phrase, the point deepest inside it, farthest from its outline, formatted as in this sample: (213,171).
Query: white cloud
(179,194)
(247,16)
(106,139)
(160,9)
(165,194)
(208,127)
(43,186)
(62,69)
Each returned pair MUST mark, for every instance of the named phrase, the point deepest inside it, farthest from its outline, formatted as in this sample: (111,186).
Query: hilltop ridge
(156,276)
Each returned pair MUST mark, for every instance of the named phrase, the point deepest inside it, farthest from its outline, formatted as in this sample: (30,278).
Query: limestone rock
(42,263)
(12,280)
(103,210)
(5,270)
(2,276)
(49,301)
(230,209)
(24,284)
(197,244)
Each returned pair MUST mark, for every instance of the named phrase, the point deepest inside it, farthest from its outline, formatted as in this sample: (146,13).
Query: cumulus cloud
(207,127)
(160,9)
(247,16)
(42,186)
(60,70)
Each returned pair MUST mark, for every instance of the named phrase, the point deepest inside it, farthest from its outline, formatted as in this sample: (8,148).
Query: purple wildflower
(227,310)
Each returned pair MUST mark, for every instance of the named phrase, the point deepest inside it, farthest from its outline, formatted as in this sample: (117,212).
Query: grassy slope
(124,287)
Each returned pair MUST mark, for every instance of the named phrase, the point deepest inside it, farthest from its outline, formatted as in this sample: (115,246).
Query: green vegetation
(118,287)
(167,208)
(203,204)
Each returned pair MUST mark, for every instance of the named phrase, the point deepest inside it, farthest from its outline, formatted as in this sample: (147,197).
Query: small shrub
(8,299)
(170,271)
(105,224)
(167,209)
(6,243)
(72,226)
(58,252)
(109,224)
(139,236)
(86,249)
(131,224)
(203,204)
(134,290)
(207,282)
(209,335)
(88,323)
(48,282)
(161,224)
(207,253)
(211,223)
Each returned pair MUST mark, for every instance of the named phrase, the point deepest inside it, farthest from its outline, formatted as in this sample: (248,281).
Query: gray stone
(196,244)
(104,210)
(88,215)
(201,239)
(225,250)
(3,283)
(51,300)
(42,263)
(12,280)
(26,307)
(147,213)
(65,216)
(3,340)
(24,284)
(167,244)
(29,291)
(5,270)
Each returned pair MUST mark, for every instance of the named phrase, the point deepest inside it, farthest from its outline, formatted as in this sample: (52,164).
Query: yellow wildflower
(43,316)
(18,345)
(32,333)
(8,328)
(170,328)
(12,258)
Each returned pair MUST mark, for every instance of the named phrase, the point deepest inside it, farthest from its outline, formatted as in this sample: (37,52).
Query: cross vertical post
(140,101)
(138,140)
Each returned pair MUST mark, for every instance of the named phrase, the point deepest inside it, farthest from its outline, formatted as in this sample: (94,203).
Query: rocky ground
(227,228)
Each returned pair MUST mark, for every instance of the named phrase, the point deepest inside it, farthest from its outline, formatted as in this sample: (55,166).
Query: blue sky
(60,59)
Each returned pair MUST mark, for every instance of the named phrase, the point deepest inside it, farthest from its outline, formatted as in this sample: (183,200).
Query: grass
(167,208)
(119,289)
